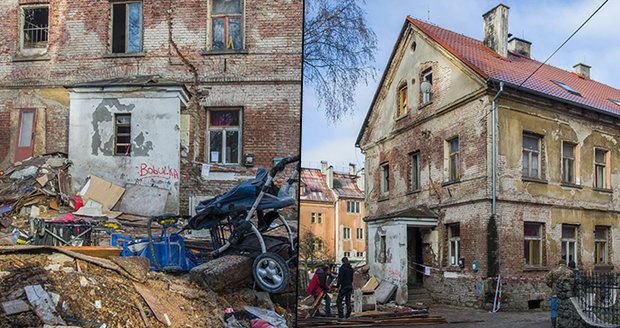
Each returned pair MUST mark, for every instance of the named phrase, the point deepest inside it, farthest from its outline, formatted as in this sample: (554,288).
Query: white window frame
(22,14)
(566,241)
(605,168)
(346,233)
(359,233)
(454,242)
(239,129)
(347,254)
(210,18)
(319,217)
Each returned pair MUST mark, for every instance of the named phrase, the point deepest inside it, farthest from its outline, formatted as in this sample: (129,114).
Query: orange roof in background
(515,69)
(316,188)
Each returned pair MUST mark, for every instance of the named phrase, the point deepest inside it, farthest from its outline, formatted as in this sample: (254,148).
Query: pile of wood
(377,319)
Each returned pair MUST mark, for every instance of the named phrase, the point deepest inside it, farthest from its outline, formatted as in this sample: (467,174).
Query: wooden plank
(95,251)
(15,306)
(43,305)
(315,305)
(163,310)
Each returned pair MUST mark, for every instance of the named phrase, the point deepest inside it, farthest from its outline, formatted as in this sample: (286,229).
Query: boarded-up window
(122,134)
(224,134)
(127,27)
(35,27)
(226,24)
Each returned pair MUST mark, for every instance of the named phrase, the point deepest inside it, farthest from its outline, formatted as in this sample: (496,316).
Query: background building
(332,209)
(145,92)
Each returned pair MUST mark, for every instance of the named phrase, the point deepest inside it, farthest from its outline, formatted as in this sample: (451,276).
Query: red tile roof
(515,69)
(345,186)
(315,186)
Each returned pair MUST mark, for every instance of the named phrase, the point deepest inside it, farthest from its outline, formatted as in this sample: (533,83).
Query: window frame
(530,152)
(454,242)
(414,178)
(346,233)
(567,241)
(385,178)
(226,17)
(224,130)
(21,21)
(111,28)
(319,217)
(529,263)
(454,158)
(359,233)
(424,78)
(353,207)
(605,249)
(573,163)
(312,218)
(402,100)
(116,134)
(347,254)
(604,165)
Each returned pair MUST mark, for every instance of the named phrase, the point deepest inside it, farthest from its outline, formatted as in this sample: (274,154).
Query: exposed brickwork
(264,79)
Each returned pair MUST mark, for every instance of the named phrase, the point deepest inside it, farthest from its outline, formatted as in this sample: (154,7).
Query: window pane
(531,230)
(232,146)
(134,30)
(535,252)
(455,230)
(218,36)
(568,232)
(119,23)
(123,119)
(227,7)
(564,252)
(454,145)
(25,131)
(526,163)
(215,146)
(571,252)
(599,156)
(526,251)
(534,170)
(234,34)
(530,142)
(567,149)
(224,118)
(600,233)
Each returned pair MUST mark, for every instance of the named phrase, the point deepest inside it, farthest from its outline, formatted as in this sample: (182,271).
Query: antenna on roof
(428,13)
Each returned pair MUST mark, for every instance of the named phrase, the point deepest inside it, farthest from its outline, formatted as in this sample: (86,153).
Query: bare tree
(339,49)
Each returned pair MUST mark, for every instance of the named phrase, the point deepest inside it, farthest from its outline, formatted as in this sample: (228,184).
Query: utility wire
(560,47)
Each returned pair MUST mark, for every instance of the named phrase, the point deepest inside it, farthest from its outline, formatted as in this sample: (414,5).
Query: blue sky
(544,23)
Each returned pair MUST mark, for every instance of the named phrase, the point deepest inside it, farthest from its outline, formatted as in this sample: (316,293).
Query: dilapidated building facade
(332,209)
(428,143)
(145,92)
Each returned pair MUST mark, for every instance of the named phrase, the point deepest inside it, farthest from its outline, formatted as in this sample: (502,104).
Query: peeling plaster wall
(394,269)
(155,150)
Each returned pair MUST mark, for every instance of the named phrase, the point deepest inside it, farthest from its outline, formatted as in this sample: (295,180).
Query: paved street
(466,317)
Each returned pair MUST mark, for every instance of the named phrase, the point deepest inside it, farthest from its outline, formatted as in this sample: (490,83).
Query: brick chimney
(520,47)
(352,169)
(582,70)
(496,29)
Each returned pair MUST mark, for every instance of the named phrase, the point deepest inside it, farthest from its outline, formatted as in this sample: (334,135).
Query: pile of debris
(43,285)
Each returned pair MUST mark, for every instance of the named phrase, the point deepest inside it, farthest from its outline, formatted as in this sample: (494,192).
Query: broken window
(359,233)
(454,239)
(454,161)
(600,244)
(402,100)
(414,183)
(227,24)
(568,162)
(385,178)
(35,27)
(600,168)
(569,244)
(122,134)
(346,233)
(126,27)
(531,156)
(320,218)
(224,134)
(312,217)
(532,245)
(426,86)
(382,254)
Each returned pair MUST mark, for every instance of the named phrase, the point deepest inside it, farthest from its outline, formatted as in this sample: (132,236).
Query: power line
(560,47)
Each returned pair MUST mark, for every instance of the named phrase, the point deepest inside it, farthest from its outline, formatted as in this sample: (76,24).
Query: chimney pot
(582,70)
(496,29)
(520,47)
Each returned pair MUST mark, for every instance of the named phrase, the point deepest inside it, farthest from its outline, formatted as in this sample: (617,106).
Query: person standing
(323,273)
(345,287)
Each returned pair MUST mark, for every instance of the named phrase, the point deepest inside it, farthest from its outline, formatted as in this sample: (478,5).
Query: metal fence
(597,295)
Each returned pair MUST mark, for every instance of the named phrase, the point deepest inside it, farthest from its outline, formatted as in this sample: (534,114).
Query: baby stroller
(246,213)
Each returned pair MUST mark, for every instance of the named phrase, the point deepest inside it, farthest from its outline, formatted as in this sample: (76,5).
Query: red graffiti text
(164,172)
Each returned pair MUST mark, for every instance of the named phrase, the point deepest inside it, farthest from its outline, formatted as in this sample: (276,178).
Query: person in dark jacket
(323,274)
(345,287)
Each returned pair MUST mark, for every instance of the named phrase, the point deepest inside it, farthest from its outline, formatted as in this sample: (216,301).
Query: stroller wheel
(271,272)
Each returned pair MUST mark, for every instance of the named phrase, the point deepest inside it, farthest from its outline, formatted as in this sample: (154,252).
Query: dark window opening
(122,134)
(35,27)
(533,304)
(127,27)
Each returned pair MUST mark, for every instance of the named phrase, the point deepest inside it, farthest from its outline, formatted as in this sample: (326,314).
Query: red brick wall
(5,134)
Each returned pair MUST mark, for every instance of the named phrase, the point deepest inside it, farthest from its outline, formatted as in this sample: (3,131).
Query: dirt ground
(463,317)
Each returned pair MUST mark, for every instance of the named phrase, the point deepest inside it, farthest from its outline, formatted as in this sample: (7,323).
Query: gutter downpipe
(496,299)
(494,151)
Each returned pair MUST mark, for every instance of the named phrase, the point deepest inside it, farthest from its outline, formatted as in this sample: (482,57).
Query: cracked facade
(429,176)
(69,68)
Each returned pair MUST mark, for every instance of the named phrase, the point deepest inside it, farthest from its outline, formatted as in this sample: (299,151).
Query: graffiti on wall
(158,172)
